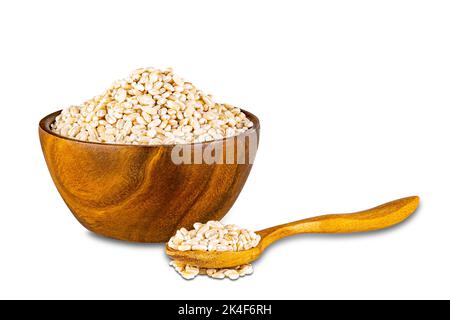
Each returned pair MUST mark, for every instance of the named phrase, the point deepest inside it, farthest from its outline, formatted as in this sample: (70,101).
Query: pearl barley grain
(213,236)
(154,99)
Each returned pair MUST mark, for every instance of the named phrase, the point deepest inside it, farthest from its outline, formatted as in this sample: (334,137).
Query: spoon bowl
(215,259)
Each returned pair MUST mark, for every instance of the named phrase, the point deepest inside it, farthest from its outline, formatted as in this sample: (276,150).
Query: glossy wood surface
(380,217)
(137,193)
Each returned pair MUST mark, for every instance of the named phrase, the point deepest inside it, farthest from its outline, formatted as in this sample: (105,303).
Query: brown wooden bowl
(137,193)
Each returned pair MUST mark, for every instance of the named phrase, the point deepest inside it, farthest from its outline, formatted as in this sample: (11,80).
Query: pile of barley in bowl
(213,236)
(151,107)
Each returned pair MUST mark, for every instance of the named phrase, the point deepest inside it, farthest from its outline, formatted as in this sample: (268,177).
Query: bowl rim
(44,125)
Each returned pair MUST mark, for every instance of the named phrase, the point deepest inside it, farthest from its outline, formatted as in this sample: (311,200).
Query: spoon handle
(380,217)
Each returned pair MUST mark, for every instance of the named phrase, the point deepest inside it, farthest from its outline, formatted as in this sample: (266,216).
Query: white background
(353,98)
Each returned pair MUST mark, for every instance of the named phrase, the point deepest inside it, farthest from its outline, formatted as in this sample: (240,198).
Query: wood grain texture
(137,193)
(380,217)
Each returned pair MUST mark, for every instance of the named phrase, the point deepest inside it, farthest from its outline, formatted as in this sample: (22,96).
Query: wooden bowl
(137,193)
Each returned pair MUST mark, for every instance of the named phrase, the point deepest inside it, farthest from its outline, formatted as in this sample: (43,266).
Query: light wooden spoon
(380,217)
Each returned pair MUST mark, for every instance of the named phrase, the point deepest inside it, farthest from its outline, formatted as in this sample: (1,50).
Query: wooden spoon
(380,217)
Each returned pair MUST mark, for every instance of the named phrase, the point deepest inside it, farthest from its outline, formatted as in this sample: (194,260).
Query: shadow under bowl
(138,192)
